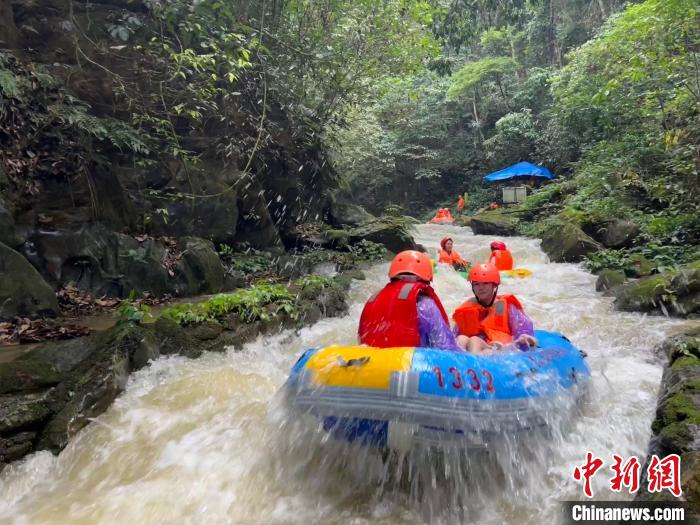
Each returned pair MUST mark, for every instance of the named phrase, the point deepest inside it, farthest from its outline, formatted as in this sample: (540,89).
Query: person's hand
(526,339)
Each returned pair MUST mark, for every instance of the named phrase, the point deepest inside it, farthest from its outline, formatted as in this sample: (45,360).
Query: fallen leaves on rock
(76,302)
(22,330)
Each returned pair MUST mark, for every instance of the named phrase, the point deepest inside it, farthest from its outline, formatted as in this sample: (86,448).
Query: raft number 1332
(454,379)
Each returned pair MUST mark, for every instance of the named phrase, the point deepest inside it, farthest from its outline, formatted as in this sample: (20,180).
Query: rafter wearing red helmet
(407,311)
(489,321)
(501,257)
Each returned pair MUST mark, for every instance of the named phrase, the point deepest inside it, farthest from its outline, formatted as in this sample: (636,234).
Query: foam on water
(207,440)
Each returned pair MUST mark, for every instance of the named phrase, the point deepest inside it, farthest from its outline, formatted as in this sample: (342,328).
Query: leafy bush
(369,251)
(241,262)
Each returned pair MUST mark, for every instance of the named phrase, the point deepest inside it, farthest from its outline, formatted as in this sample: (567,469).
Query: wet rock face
(566,242)
(676,427)
(23,291)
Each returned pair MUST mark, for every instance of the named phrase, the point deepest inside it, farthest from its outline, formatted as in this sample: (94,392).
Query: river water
(201,441)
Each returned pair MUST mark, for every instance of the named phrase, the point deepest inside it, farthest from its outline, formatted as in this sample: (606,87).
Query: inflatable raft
(442,216)
(394,397)
(519,273)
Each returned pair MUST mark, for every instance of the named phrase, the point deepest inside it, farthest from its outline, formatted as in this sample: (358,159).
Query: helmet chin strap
(493,297)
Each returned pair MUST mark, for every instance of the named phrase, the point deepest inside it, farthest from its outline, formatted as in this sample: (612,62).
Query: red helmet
(444,242)
(498,245)
(413,262)
(484,273)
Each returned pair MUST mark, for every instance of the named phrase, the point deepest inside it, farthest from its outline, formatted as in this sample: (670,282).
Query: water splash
(206,440)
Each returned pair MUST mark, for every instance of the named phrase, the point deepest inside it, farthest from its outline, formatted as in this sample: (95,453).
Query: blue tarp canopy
(521,169)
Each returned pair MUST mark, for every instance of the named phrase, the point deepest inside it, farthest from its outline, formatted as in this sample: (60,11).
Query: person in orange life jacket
(407,312)
(490,321)
(501,257)
(448,255)
(460,204)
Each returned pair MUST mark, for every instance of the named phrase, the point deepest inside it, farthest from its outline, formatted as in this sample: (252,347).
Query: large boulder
(140,265)
(617,233)
(23,291)
(674,292)
(394,236)
(199,270)
(564,242)
(343,213)
(493,223)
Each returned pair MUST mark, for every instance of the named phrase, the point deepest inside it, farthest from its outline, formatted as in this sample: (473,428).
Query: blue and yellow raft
(391,397)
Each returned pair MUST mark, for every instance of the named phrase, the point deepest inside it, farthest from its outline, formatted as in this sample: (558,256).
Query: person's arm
(434,331)
(521,328)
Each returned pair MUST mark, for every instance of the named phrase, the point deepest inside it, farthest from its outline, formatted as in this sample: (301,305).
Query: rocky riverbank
(49,393)
(641,286)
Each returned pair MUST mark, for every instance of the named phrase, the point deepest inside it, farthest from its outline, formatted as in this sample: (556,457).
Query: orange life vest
(502,259)
(460,204)
(492,322)
(450,258)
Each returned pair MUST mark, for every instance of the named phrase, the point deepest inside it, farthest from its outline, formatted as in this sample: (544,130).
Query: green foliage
(131,311)
(310,286)
(475,73)
(128,312)
(369,251)
(606,259)
(242,262)
(257,303)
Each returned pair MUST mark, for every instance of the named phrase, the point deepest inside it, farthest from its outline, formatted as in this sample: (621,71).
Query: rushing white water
(202,441)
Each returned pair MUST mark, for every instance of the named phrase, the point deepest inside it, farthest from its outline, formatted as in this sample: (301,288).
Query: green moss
(685,362)
(575,216)
(651,288)
(675,436)
(250,304)
(680,407)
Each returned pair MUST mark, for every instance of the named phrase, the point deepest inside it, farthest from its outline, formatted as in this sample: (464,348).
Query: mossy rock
(639,266)
(463,220)
(494,223)
(25,376)
(608,279)
(395,237)
(645,295)
(675,292)
(174,339)
(565,242)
